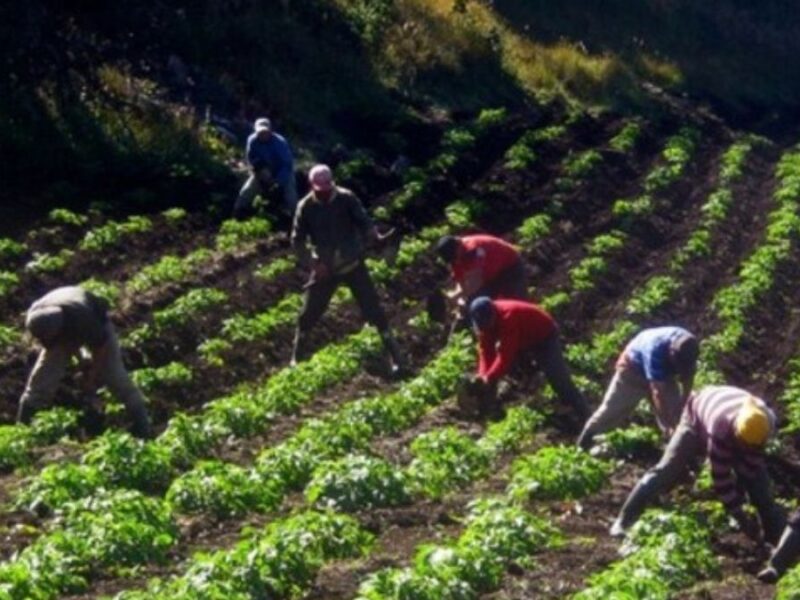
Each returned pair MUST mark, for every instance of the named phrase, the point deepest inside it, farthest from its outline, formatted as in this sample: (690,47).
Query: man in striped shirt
(658,363)
(731,427)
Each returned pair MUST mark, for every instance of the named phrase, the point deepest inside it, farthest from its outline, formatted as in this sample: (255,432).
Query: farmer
(63,321)
(338,227)
(270,159)
(508,328)
(786,553)
(483,265)
(658,363)
(730,427)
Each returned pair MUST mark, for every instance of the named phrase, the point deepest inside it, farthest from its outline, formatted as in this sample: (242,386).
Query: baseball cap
(321,178)
(481,311)
(262,124)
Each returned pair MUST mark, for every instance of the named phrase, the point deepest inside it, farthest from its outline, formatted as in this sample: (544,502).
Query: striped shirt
(711,413)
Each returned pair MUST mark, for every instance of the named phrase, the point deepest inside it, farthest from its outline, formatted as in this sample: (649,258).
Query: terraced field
(329,480)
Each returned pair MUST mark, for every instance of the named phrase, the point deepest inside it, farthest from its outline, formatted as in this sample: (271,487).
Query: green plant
(8,283)
(114,232)
(356,482)
(64,216)
(175,214)
(534,228)
(234,234)
(275,268)
(627,138)
(463,213)
(10,249)
(125,461)
(110,292)
(221,489)
(445,458)
(557,472)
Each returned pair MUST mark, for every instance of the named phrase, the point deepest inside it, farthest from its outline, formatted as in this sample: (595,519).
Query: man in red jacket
(507,328)
(483,265)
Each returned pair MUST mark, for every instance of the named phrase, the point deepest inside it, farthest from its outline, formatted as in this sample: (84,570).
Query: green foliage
(114,233)
(110,292)
(49,426)
(279,562)
(635,207)
(607,244)
(125,461)
(15,446)
(489,119)
(56,485)
(357,482)
(275,268)
(510,434)
(64,216)
(109,529)
(10,249)
(630,441)
(676,155)
(658,290)
(557,472)
(233,235)
(9,282)
(221,489)
(175,214)
(44,262)
(151,379)
(582,164)
(8,336)
(464,213)
(496,534)
(664,552)
(523,153)
(584,275)
(627,138)
(534,228)
(445,458)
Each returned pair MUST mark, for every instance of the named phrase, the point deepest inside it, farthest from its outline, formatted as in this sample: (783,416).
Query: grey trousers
(681,453)
(51,366)
(627,388)
(253,187)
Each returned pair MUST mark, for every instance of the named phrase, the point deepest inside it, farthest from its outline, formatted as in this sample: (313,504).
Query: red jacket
(517,327)
(485,257)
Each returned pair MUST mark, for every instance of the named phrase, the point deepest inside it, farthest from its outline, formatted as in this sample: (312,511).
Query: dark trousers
(550,357)
(318,296)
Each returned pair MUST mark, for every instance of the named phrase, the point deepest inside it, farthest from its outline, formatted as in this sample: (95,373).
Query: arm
(299,237)
(687,383)
(657,393)
(504,359)
(256,161)
(99,357)
(486,355)
(472,281)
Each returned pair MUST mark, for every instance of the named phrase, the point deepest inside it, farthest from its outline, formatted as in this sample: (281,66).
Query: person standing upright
(333,219)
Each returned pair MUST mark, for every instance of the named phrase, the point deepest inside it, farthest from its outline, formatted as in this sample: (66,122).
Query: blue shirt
(649,351)
(273,153)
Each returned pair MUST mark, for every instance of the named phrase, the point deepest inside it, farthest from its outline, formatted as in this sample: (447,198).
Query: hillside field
(330,480)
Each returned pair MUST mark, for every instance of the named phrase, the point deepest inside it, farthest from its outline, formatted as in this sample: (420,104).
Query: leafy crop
(110,292)
(234,234)
(125,461)
(664,552)
(357,482)
(223,490)
(64,216)
(10,249)
(275,268)
(444,458)
(534,228)
(627,138)
(496,534)
(557,472)
(44,262)
(9,282)
(114,233)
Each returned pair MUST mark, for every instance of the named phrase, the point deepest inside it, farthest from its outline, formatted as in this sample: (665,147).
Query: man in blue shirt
(651,366)
(270,159)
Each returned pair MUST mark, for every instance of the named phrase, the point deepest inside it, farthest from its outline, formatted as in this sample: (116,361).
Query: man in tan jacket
(63,321)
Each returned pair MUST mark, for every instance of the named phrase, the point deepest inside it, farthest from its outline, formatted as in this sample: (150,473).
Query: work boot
(299,349)
(782,558)
(398,365)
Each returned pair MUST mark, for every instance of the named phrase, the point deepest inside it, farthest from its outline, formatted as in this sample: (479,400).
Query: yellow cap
(752,423)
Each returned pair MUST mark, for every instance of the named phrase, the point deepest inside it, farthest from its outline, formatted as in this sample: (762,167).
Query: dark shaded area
(739,55)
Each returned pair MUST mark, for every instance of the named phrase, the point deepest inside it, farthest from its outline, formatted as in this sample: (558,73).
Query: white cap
(262,124)
(321,178)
